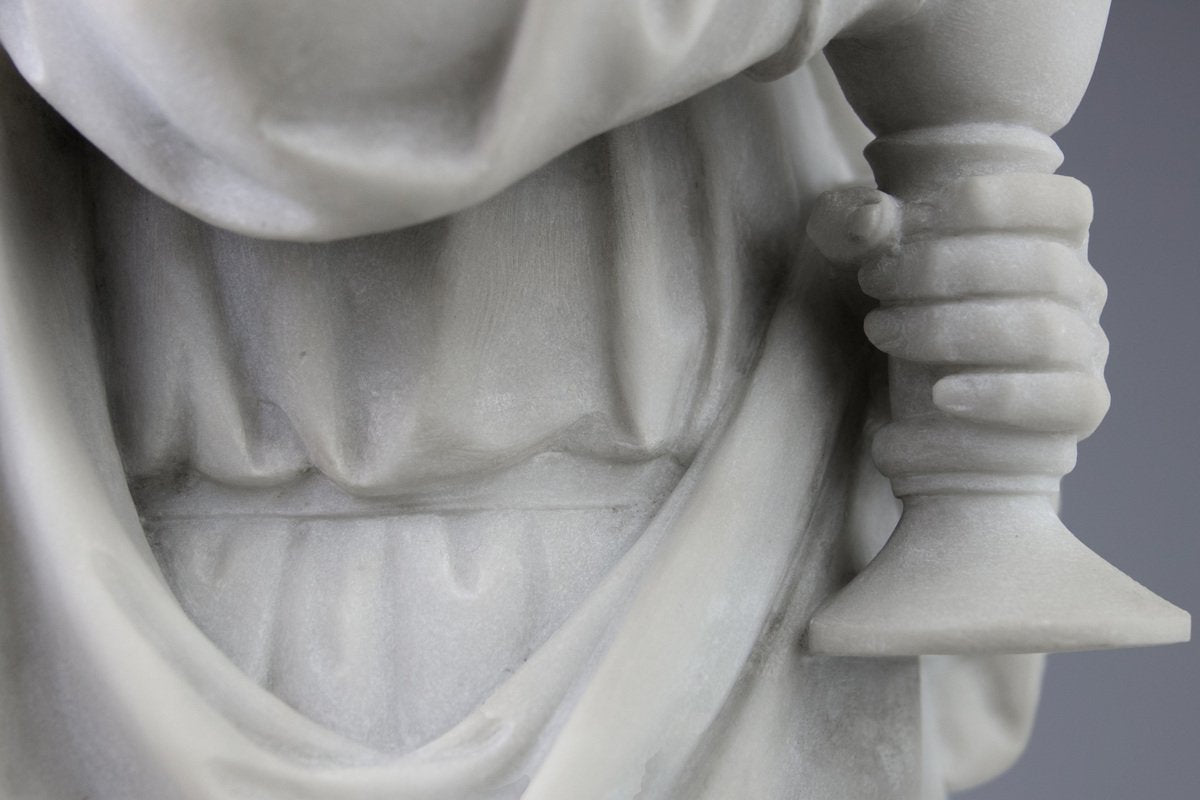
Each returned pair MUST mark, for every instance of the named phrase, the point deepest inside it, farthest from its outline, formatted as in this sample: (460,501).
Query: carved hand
(988,279)
(988,310)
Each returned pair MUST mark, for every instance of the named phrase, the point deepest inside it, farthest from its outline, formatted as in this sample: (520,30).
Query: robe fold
(485,431)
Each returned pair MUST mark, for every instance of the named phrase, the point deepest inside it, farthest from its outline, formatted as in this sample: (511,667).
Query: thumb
(851,225)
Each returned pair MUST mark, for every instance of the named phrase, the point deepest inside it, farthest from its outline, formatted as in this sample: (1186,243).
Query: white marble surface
(534,499)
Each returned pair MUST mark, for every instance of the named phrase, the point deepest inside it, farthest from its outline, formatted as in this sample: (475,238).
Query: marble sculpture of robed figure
(449,400)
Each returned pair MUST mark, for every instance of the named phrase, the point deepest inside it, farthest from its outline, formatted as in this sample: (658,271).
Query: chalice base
(978,573)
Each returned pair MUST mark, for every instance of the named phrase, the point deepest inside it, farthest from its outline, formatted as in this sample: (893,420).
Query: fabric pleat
(235,503)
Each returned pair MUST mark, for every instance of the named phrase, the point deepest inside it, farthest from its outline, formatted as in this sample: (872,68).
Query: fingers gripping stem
(987,305)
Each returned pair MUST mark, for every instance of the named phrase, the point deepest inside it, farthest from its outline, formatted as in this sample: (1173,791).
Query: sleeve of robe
(317,120)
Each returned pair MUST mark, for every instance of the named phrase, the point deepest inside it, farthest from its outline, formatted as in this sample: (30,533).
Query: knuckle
(1061,264)
(1094,404)
(1052,334)
(1071,193)
(1096,292)
(1077,190)
(1100,347)
(1103,403)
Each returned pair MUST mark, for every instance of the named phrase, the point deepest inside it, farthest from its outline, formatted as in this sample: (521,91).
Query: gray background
(1125,725)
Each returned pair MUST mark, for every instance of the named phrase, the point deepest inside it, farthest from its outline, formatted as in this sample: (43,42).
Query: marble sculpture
(446,400)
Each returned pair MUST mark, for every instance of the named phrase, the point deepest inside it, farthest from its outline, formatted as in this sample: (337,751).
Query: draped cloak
(545,407)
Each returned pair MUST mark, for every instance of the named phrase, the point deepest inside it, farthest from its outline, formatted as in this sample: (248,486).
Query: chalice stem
(979,561)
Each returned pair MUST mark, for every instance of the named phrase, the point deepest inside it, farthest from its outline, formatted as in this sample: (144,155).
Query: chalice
(979,561)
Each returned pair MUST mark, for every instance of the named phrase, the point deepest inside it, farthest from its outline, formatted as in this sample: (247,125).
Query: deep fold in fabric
(681,673)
